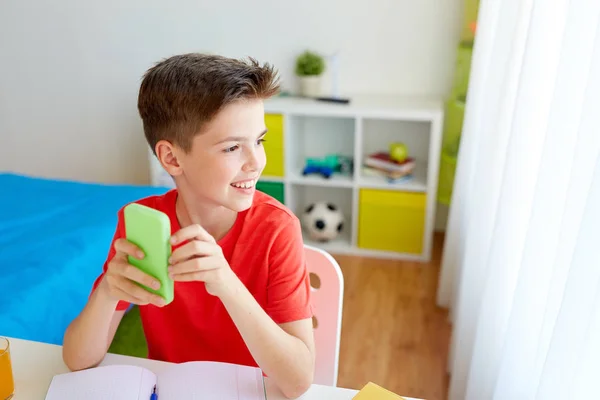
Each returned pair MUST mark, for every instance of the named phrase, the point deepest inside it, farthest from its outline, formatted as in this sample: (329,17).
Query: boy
(242,293)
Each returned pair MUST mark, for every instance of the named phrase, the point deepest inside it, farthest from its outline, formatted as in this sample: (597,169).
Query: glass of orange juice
(7,383)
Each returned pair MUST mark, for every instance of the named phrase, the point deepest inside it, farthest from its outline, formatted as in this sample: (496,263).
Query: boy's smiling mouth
(247,184)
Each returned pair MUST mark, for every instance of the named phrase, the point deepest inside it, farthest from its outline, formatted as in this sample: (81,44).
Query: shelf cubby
(317,137)
(378,134)
(305,195)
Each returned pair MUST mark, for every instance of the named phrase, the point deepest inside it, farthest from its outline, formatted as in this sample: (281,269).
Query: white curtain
(521,264)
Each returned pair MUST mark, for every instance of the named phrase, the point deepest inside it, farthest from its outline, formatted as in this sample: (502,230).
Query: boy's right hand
(118,281)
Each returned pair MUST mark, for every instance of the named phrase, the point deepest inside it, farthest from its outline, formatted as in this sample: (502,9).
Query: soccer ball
(323,221)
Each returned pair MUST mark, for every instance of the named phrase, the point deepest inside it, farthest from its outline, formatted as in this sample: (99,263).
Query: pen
(153,396)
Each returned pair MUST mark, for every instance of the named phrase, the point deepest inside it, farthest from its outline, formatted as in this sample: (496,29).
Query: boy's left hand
(201,259)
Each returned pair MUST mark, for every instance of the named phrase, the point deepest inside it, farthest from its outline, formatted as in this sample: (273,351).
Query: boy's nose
(252,161)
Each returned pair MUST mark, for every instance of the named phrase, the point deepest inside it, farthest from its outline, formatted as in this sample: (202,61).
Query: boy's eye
(230,149)
(259,141)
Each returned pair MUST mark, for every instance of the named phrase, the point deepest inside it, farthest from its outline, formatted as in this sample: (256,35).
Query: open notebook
(191,380)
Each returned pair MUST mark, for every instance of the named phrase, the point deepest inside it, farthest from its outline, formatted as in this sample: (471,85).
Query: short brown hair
(180,94)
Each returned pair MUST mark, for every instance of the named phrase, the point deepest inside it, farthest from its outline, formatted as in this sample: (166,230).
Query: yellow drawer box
(274,145)
(391,220)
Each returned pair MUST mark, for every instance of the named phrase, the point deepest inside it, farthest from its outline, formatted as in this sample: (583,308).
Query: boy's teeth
(244,185)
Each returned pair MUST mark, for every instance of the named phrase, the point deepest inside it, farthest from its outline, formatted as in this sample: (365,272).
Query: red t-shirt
(265,250)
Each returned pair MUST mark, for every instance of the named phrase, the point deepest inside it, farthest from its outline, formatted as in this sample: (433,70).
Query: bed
(54,237)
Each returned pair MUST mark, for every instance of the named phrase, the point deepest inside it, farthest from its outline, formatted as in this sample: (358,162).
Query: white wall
(70,70)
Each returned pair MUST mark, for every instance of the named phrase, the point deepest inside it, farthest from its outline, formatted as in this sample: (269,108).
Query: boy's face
(227,158)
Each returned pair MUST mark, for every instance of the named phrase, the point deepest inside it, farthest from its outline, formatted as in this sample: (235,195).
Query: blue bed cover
(54,238)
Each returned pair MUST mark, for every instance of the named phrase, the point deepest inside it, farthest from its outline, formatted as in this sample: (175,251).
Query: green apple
(398,152)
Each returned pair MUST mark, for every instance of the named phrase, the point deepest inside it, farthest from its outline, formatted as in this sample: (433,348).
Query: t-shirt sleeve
(119,233)
(288,290)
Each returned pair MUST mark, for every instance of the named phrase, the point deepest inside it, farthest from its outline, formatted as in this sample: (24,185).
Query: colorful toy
(324,166)
(323,221)
(327,165)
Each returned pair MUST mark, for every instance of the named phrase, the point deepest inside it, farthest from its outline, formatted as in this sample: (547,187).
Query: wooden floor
(392,331)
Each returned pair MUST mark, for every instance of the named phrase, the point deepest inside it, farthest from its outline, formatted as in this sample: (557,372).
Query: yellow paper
(372,391)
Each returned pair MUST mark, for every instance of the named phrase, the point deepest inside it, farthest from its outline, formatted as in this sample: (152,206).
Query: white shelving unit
(366,125)
(313,128)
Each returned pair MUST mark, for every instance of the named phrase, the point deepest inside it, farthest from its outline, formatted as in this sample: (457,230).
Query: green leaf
(309,64)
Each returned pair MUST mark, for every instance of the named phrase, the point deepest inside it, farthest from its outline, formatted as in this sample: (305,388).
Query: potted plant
(309,67)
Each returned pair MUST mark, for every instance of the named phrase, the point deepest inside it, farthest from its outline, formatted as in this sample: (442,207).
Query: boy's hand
(118,281)
(201,259)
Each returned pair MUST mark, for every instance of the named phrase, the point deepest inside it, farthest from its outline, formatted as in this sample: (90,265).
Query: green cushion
(129,339)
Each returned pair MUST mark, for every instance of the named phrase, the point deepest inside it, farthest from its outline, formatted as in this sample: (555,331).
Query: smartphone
(150,230)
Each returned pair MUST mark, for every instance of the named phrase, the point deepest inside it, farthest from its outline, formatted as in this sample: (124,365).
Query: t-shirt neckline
(176,226)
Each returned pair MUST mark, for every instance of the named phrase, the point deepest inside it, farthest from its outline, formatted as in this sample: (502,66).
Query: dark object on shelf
(345,165)
(334,99)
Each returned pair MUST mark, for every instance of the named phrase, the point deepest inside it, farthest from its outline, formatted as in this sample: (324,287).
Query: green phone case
(150,230)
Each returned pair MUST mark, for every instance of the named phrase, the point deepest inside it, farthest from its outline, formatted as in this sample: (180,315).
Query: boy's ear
(167,156)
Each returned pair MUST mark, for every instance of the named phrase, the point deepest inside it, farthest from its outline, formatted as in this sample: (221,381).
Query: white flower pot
(310,86)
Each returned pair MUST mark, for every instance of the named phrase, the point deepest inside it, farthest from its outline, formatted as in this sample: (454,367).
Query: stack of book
(380,164)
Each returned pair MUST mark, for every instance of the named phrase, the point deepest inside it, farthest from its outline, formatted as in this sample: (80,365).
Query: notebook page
(210,380)
(114,382)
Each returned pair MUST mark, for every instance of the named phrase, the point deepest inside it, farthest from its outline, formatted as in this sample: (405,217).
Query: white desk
(34,365)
